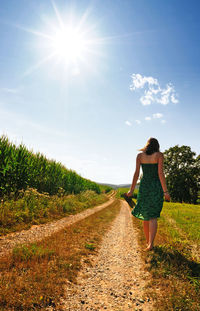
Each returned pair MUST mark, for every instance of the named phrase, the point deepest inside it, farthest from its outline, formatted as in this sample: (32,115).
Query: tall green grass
(185,217)
(21,168)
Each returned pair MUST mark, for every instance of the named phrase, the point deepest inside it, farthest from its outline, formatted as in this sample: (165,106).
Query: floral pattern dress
(150,194)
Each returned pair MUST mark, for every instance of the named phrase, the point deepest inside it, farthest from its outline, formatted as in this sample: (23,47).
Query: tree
(182,172)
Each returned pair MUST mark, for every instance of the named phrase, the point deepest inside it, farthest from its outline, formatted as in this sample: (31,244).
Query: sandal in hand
(129,200)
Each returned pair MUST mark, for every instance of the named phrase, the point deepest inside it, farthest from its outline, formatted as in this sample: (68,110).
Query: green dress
(150,194)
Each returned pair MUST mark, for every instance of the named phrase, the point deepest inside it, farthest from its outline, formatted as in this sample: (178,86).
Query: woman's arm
(162,177)
(135,176)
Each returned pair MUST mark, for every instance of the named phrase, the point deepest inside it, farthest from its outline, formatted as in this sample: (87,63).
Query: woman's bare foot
(149,248)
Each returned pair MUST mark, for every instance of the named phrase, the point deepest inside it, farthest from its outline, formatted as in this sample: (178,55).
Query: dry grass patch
(34,276)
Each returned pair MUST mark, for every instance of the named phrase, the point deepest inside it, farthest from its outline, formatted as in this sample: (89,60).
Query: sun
(69,44)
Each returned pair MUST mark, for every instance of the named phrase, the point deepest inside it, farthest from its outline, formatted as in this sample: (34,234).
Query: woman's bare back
(153,158)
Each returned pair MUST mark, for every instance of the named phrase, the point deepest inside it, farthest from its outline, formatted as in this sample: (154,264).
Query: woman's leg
(152,231)
(146,230)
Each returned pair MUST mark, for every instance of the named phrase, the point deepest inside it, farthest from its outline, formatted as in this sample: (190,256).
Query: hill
(116,186)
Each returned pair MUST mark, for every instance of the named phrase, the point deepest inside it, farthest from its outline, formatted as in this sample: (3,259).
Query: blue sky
(133,73)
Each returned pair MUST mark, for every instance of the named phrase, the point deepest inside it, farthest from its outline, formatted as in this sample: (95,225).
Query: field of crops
(21,168)
(35,190)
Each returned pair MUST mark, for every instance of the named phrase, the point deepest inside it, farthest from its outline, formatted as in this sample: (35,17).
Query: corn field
(22,169)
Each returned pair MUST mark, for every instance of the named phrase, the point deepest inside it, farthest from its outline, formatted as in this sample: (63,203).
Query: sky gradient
(136,75)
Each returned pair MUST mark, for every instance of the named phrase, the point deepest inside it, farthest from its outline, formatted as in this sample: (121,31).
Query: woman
(151,189)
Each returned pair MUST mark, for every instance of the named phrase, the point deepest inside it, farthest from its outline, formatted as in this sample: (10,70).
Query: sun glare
(69,45)
(69,41)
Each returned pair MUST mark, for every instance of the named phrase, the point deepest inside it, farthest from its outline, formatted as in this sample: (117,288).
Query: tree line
(182,172)
(21,168)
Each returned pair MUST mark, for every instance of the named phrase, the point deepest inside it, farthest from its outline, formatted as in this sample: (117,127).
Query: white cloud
(153,92)
(147,118)
(138,121)
(128,123)
(157,115)
(173,99)
(146,99)
(163,121)
(139,81)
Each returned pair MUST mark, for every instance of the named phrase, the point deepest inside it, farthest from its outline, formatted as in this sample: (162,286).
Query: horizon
(86,84)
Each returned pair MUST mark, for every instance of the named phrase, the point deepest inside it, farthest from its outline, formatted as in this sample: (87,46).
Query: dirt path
(39,232)
(116,279)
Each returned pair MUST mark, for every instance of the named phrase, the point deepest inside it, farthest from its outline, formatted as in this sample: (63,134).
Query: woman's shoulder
(139,155)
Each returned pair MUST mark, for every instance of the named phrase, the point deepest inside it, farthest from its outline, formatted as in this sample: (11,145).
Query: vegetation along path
(38,232)
(115,279)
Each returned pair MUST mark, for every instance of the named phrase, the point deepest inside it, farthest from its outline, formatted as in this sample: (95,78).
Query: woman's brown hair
(151,146)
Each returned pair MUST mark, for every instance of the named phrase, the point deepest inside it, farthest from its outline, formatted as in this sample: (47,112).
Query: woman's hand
(167,196)
(129,194)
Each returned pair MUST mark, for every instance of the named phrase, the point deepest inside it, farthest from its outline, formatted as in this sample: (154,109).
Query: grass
(187,218)
(34,276)
(34,208)
(175,261)
(30,252)
(105,189)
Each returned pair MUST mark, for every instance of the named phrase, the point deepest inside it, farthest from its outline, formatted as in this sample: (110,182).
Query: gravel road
(116,279)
